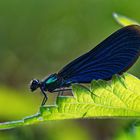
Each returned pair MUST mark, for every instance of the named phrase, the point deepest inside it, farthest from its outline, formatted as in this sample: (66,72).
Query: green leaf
(123,20)
(119,97)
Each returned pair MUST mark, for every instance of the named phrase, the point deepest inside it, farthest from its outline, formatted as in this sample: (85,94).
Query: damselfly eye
(34,84)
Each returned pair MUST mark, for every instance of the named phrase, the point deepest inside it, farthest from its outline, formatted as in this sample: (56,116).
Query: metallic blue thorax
(51,79)
(53,82)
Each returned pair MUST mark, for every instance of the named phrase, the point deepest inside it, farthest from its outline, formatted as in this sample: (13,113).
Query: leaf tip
(123,20)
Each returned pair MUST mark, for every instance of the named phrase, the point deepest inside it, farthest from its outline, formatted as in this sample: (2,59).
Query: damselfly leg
(61,91)
(45,97)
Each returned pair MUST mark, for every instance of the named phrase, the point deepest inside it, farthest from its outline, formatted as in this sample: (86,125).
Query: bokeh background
(37,38)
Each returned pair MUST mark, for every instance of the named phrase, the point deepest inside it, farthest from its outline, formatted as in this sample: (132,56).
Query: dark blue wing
(114,55)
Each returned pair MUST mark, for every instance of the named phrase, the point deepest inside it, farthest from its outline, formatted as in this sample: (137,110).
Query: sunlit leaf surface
(119,97)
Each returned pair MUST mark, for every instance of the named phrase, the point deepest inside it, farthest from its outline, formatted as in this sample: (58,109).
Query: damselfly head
(34,84)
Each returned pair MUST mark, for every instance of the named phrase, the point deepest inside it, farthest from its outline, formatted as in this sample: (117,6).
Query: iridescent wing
(114,55)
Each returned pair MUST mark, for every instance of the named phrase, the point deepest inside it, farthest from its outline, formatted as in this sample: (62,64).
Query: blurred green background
(37,38)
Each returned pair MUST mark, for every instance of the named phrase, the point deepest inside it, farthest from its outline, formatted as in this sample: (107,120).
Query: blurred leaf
(118,98)
(15,104)
(123,20)
(73,131)
(54,130)
(137,122)
(131,132)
